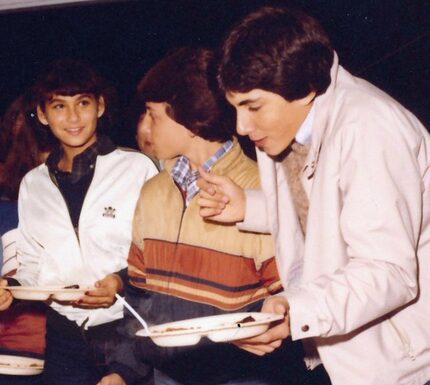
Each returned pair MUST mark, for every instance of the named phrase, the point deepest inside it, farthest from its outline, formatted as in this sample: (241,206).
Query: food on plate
(71,287)
(245,320)
(176,329)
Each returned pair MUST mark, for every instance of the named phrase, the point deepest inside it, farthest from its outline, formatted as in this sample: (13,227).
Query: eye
(58,106)
(151,115)
(85,102)
(253,109)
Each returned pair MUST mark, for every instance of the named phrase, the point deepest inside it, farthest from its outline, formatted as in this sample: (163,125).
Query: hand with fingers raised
(220,199)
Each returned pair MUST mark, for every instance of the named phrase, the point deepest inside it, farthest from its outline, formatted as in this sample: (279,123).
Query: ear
(307,99)
(100,106)
(41,116)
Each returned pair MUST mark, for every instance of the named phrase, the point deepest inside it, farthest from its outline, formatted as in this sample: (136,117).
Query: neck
(66,162)
(304,112)
(69,152)
(200,151)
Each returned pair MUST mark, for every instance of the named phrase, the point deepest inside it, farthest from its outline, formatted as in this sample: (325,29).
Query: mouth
(74,130)
(259,142)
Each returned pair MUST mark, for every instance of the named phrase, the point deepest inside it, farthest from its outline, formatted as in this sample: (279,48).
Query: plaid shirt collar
(84,163)
(187,178)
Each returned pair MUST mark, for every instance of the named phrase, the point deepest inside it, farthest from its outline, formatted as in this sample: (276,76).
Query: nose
(73,114)
(243,123)
(144,125)
(143,130)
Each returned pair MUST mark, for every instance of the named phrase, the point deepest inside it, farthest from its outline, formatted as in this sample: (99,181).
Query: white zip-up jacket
(50,253)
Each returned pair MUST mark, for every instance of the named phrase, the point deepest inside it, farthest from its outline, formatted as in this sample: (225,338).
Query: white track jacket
(50,253)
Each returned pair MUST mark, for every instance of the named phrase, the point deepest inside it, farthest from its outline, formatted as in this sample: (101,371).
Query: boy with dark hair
(345,178)
(75,214)
(181,266)
(292,60)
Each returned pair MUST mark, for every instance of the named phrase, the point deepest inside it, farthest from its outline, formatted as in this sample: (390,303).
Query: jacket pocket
(403,338)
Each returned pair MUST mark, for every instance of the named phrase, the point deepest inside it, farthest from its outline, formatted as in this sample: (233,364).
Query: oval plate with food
(43,293)
(17,365)
(219,328)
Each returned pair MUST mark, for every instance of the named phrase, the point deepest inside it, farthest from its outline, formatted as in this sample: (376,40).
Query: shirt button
(305,328)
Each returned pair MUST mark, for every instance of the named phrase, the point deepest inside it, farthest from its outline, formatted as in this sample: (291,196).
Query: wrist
(119,285)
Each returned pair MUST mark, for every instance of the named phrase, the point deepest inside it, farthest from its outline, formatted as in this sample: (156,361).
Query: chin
(277,154)
(272,151)
(74,143)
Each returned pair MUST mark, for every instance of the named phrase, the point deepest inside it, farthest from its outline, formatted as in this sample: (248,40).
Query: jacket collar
(323,107)
(83,163)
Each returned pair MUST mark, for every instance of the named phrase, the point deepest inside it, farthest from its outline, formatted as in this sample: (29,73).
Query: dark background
(386,42)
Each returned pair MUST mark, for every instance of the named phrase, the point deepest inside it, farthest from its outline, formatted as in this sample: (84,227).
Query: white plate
(43,293)
(21,366)
(220,328)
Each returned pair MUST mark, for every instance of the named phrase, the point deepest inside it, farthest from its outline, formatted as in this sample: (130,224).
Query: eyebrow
(61,98)
(86,95)
(248,101)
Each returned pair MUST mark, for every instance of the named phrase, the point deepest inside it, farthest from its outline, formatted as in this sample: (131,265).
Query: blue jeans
(162,379)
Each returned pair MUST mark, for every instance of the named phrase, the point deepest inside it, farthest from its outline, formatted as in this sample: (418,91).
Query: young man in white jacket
(75,215)
(345,174)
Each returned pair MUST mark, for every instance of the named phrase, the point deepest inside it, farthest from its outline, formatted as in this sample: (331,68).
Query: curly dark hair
(185,79)
(277,49)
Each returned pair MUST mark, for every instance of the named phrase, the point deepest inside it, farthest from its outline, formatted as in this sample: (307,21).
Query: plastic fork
(134,312)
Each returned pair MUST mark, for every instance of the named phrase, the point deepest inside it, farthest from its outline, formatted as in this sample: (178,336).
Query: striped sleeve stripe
(207,282)
(226,302)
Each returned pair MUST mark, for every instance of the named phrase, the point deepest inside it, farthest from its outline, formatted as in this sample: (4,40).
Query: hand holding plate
(103,295)
(5,296)
(268,341)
